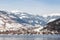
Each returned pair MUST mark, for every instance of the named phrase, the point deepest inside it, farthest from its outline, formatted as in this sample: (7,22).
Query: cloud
(32,6)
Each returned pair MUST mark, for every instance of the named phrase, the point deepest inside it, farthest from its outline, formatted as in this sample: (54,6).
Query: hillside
(25,23)
(53,27)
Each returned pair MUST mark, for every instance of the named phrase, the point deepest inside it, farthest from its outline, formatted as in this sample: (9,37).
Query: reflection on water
(29,37)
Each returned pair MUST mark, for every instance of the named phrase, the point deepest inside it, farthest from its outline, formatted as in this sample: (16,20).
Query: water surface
(29,37)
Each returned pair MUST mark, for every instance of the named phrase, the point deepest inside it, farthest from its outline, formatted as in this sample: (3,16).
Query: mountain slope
(22,22)
(52,27)
(29,19)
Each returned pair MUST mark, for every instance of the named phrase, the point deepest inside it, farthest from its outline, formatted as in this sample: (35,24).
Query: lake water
(29,37)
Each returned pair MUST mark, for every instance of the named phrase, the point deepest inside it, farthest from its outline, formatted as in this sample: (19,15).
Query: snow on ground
(38,29)
(51,20)
(1,22)
(13,26)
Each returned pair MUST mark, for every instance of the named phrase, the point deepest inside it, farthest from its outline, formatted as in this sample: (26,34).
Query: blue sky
(32,6)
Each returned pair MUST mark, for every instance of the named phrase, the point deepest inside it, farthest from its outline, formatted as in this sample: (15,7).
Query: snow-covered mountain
(27,19)
(22,21)
(36,19)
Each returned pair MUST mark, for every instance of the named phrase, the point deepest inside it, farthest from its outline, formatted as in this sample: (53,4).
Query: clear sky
(32,6)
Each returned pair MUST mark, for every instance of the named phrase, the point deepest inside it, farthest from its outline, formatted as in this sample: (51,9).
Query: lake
(29,37)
